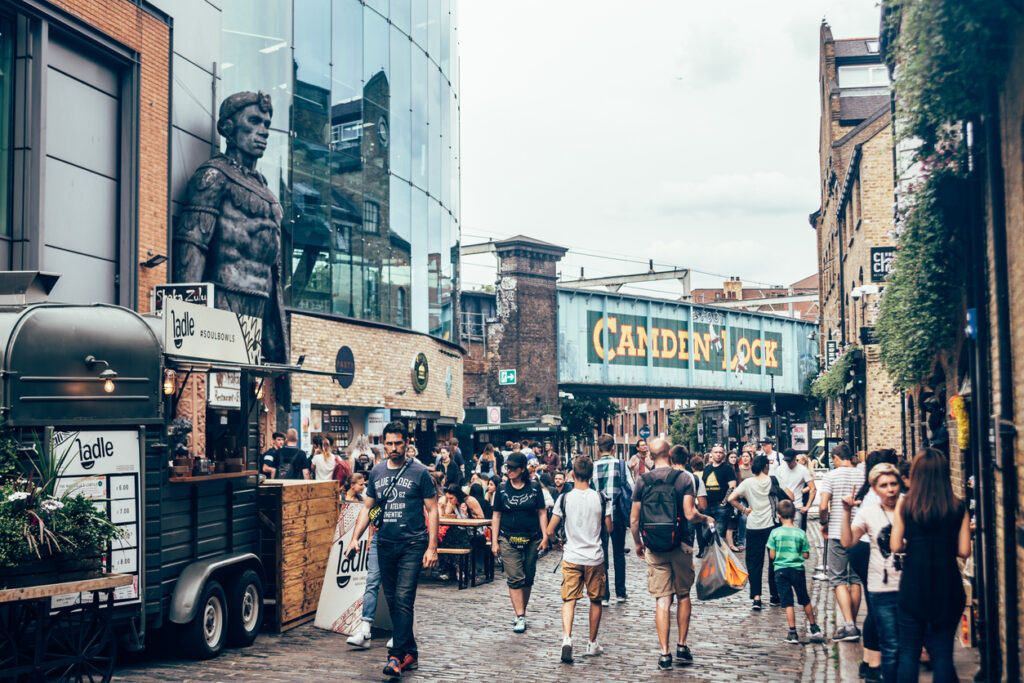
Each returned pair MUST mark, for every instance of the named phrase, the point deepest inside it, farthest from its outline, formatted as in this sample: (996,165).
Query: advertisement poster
(105,466)
(341,598)
(798,436)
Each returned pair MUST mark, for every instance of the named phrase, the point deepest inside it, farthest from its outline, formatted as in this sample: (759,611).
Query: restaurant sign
(211,334)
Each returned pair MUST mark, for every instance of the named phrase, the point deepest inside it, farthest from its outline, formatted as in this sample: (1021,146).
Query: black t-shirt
(716,481)
(403,518)
(271,458)
(295,459)
(518,508)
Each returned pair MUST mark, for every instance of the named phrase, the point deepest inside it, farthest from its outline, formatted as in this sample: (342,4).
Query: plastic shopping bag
(720,572)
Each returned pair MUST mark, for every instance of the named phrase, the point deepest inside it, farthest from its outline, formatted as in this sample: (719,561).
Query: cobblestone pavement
(466,636)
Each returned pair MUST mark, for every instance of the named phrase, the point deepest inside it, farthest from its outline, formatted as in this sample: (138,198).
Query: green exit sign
(506,377)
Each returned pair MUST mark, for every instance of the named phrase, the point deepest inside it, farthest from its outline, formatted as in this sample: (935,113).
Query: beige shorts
(577,576)
(670,573)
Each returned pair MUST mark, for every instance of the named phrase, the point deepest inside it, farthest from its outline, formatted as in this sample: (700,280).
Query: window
(371,217)
(868,76)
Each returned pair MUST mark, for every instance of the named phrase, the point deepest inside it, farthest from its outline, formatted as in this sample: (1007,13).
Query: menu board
(106,466)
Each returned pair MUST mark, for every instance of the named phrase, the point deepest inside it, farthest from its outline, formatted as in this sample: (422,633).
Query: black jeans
(619,556)
(757,540)
(400,565)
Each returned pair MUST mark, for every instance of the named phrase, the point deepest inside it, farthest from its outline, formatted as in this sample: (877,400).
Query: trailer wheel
(204,636)
(245,607)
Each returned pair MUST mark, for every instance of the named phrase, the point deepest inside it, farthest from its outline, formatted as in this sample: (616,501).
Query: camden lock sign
(629,340)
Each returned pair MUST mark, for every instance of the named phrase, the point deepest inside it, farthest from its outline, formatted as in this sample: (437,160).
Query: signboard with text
(199,293)
(798,436)
(211,334)
(882,259)
(225,390)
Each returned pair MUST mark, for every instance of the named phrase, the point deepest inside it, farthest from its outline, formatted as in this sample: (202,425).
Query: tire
(205,635)
(245,607)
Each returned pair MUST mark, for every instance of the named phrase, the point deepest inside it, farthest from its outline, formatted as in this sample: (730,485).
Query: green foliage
(676,428)
(690,437)
(922,306)
(583,414)
(946,54)
(830,383)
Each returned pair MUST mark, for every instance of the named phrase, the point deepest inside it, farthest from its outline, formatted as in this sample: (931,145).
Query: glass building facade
(365,150)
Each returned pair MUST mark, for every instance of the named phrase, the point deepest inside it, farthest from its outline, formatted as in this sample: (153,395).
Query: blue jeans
(400,565)
(372,582)
(938,640)
(741,530)
(885,610)
(721,514)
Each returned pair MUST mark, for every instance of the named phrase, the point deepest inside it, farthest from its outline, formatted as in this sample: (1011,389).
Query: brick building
(733,290)
(853,228)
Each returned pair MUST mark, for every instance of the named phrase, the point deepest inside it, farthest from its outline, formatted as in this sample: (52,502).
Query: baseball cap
(789,455)
(516,460)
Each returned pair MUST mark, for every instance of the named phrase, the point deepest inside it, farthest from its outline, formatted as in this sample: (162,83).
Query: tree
(581,415)
(677,428)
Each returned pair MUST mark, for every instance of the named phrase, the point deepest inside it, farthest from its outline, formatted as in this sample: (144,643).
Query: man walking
(844,480)
(641,460)
(795,478)
(768,451)
(613,480)
(719,479)
(669,559)
(396,494)
(585,513)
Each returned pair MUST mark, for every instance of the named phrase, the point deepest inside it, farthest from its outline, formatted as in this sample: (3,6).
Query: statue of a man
(230,231)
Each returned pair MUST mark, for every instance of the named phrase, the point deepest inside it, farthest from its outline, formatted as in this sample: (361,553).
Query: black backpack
(363,464)
(661,525)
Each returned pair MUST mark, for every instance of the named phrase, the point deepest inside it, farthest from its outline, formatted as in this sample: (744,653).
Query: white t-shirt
(583,525)
(322,470)
(793,480)
(872,519)
(757,493)
(702,490)
(840,483)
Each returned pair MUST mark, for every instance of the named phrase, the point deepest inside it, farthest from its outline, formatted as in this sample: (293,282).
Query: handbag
(721,572)
(775,494)
(377,511)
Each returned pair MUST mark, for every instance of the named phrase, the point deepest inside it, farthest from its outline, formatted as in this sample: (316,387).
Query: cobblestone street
(466,636)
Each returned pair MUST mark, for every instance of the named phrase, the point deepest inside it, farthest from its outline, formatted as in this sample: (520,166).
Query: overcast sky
(686,132)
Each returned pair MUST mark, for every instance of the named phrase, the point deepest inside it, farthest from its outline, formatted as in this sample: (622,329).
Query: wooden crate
(297,522)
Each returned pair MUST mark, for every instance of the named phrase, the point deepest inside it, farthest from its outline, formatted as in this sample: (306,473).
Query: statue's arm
(197,224)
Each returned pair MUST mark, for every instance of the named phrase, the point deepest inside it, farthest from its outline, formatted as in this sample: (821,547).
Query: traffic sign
(700,433)
(645,432)
(506,377)
(493,415)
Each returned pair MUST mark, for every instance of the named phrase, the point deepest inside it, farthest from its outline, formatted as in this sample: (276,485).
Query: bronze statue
(230,231)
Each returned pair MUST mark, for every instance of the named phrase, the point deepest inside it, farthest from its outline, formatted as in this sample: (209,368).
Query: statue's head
(244,122)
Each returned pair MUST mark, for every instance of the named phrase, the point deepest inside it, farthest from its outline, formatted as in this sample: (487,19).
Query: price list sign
(106,466)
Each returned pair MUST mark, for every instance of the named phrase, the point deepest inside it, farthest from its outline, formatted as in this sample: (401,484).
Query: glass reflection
(401,117)
(347,51)
(256,54)
(420,65)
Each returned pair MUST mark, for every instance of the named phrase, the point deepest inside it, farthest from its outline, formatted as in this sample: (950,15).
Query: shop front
(356,377)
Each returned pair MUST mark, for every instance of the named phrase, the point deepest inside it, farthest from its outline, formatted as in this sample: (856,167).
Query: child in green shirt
(788,548)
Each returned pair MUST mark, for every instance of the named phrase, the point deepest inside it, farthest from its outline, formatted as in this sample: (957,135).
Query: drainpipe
(1005,429)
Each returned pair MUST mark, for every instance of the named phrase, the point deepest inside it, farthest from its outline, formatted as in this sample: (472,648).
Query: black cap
(789,455)
(516,460)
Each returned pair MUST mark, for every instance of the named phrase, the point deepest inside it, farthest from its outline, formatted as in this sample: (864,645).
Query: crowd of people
(891,531)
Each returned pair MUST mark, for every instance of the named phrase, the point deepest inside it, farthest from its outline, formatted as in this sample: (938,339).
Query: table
(477,543)
(72,643)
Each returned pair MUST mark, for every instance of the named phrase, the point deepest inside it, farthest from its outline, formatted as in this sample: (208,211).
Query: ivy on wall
(831,383)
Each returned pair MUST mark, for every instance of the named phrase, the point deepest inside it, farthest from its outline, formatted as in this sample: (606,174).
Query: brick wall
(383,358)
(132,26)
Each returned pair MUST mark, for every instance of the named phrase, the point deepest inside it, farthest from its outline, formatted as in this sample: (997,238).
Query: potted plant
(46,537)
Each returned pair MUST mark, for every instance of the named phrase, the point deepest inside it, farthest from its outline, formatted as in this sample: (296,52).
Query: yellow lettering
(668,350)
(702,343)
(596,337)
(626,346)
(683,353)
(769,354)
(641,341)
(655,333)
(757,352)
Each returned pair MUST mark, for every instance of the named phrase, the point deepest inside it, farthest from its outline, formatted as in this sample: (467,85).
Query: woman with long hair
(354,488)
(931,529)
(761,519)
(324,461)
(487,465)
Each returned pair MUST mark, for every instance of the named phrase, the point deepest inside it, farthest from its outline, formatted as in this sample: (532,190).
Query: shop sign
(882,260)
(199,293)
(798,436)
(105,466)
(225,390)
(375,421)
(817,434)
(420,373)
(407,413)
(341,597)
(831,353)
(493,415)
(211,334)
(344,367)
(868,336)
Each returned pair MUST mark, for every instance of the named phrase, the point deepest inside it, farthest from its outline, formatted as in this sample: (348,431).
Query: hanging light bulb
(108,376)
(169,381)
(108,385)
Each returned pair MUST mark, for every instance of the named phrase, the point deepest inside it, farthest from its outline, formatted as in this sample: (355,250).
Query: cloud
(739,193)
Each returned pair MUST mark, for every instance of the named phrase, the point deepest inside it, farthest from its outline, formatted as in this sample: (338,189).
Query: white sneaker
(391,643)
(362,636)
(621,598)
(594,649)
(519,625)
(567,650)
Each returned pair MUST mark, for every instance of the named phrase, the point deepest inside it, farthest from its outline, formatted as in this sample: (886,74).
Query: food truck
(107,383)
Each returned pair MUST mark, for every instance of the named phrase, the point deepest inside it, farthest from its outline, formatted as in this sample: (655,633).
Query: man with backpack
(613,480)
(662,504)
(586,514)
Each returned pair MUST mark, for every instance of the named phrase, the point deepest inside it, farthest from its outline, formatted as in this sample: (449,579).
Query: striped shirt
(608,479)
(840,483)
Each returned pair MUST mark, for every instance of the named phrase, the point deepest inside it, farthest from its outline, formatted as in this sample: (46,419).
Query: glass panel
(434,29)
(401,120)
(453,43)
(379,5)
(347,51)
(418,225)
(434,266)
(419,118)
(446,151)
(434,131)
(419,23)
(311,287)
(401,253)
(444,54)
(6,109)
(313,43)
(456,163)
(375,46)
(257,35)
(400,15)
(447,293)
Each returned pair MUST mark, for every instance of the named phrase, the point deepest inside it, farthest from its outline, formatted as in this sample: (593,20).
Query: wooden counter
(297,521)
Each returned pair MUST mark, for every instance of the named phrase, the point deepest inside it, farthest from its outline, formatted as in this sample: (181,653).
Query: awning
(264,370)
(532,427)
